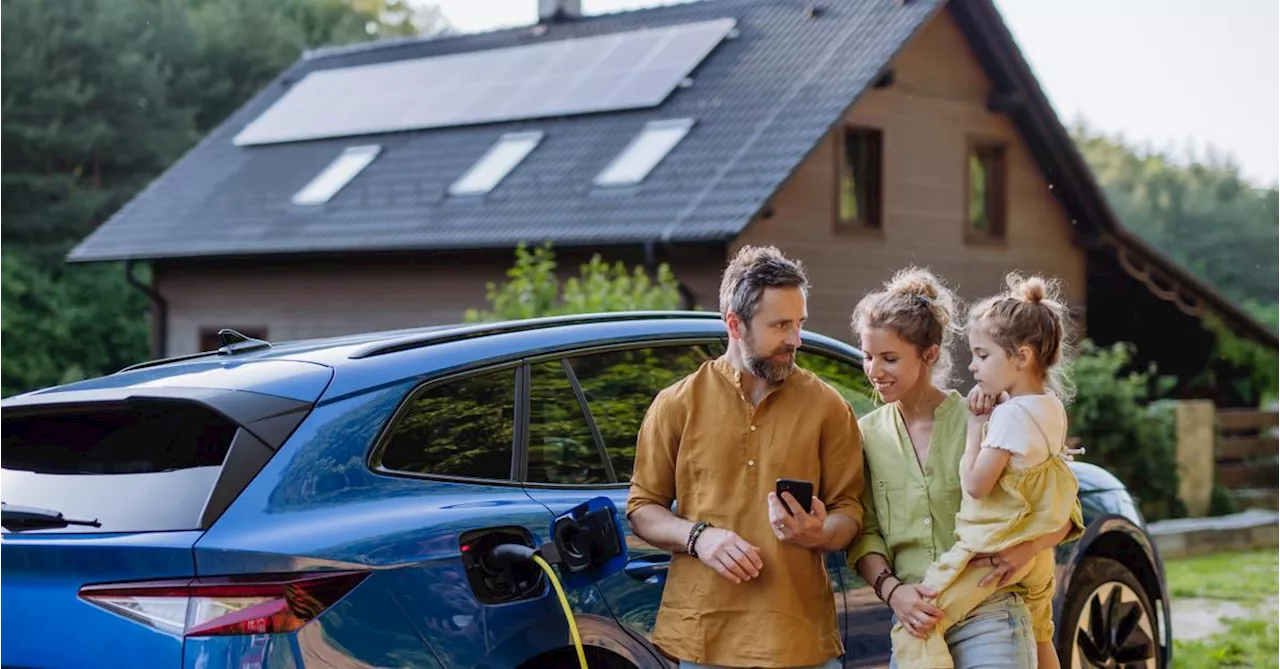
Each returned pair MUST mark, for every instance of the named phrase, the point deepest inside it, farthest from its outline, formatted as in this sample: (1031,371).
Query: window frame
(875,223)
(998,224)
(567,357)
(357,157)
(519,377)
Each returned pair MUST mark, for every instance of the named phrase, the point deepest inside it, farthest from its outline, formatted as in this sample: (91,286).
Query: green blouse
(910,515)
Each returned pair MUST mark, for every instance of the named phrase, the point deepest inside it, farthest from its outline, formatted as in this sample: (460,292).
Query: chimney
(550,11)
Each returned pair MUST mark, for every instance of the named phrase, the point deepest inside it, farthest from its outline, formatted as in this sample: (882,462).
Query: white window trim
(497,163)
(334,177)
(635,162)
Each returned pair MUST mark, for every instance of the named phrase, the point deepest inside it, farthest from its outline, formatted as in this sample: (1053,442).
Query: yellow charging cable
(568,612)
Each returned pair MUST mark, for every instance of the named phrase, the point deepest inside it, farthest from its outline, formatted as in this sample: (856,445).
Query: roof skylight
(338,174)
(645,152)
(496,163)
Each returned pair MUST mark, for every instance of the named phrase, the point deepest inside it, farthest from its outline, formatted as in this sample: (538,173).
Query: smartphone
(801,490)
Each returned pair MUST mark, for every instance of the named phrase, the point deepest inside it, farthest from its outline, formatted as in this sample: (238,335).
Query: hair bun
(1031,289)
(916,282)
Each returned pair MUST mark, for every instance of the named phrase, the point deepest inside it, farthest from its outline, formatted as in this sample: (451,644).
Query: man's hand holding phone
(792,523)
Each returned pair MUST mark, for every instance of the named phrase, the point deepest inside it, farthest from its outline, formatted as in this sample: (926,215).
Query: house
(380,185)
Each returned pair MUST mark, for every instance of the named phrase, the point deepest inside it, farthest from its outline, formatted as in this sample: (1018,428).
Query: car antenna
(231,342)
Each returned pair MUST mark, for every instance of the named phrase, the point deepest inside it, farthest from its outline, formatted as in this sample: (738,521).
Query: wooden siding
(304,298)
(930,115)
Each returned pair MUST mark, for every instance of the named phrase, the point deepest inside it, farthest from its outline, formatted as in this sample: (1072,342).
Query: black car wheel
(1107,620)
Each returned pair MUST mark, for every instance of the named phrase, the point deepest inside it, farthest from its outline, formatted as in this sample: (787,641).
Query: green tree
(1196,208)
(1120,431)
(98,99)
(63,324)
(533,289)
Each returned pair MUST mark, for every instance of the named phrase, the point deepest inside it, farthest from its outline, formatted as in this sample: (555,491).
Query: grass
(1244,643)
(1249,579)
(1241,577)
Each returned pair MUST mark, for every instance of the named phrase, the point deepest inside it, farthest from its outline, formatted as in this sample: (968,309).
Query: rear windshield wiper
(18,518)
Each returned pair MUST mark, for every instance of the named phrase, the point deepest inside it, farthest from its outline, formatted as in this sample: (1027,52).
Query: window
(113,464)
(338,174)
(847,378)
(620,385)
(209,336)
(861,161)
(561,446)
(986,214)
(496,164)
(459,428)
(644,153)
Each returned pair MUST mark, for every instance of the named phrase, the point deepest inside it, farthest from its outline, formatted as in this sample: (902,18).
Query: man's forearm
(660,528)
(841,529)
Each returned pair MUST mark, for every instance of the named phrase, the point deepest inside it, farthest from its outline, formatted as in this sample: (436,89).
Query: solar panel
(629,70)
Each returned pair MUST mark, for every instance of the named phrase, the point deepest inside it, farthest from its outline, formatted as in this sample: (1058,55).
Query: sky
(1175,75)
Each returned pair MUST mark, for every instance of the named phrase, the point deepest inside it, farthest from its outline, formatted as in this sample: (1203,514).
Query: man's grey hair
(752,270)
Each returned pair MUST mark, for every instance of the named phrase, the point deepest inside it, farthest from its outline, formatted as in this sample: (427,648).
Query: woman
(912,447)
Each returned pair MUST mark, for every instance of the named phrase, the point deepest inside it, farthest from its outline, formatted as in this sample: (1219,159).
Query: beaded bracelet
(693,537)
(886,573)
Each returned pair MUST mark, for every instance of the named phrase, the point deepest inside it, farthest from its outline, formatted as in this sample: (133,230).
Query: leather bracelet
(880,580)
(694,533)
(891,591)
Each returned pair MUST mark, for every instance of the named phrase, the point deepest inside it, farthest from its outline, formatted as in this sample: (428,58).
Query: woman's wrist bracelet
(890,598)
(880,581)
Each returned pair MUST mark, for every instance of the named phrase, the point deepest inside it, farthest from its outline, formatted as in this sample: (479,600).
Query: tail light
(226,606)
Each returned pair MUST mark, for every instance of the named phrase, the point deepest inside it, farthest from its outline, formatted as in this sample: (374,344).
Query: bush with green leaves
(1120,430)
(533,289)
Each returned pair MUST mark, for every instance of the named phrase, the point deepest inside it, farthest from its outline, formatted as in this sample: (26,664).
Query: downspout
(687,298)
(160,311)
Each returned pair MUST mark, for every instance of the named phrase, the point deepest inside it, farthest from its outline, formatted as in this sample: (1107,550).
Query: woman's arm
(1013,558)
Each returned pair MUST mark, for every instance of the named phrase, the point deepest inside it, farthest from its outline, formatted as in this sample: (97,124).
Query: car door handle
(650,568)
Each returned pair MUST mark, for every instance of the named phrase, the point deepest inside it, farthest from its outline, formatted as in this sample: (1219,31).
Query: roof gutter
(160,310)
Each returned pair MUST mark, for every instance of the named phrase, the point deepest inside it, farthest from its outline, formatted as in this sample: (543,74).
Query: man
(748,586)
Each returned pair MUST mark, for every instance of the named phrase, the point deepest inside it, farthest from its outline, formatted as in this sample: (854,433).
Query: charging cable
(507,553)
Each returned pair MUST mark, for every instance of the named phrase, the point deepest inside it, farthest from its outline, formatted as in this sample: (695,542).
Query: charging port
(496,581)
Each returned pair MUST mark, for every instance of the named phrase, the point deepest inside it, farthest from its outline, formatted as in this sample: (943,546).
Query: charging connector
(508,554)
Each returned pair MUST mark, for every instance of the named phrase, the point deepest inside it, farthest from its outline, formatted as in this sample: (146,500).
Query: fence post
(1194,422)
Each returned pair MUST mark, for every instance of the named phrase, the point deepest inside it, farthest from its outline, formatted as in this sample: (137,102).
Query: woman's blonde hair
(918,307)
(1031,314)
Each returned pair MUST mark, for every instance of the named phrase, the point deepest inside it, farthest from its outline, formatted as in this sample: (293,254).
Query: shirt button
(926,521)
(753,428)
(751,463)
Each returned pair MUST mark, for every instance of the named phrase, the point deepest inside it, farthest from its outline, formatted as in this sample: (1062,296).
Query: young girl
(1017,486)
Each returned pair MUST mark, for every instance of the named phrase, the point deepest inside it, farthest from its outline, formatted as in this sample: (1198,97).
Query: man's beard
(764,367)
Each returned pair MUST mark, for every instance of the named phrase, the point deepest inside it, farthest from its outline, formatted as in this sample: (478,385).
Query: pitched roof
(761,100)
(1017,94)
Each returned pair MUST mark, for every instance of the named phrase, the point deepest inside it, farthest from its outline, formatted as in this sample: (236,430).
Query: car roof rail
(524,325)
(230,342)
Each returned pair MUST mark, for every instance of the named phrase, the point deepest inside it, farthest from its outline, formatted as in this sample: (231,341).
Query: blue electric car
(310,505)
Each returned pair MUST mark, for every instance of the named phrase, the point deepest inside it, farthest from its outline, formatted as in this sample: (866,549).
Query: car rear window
(145,466)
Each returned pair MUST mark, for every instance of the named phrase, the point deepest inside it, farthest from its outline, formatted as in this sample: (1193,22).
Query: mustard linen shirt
(704,444)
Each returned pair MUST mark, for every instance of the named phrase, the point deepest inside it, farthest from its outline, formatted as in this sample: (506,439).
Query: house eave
(1021,99)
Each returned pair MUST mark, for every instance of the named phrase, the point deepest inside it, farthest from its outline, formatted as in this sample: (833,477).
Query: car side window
(847,378)
(561,447)
(620,385)
(460,428)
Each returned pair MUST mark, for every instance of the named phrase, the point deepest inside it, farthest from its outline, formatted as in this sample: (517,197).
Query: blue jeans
(997,635)
(833,663)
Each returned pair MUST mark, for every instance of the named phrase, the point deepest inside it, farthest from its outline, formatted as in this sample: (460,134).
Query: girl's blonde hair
(918,307)
(1031,313)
